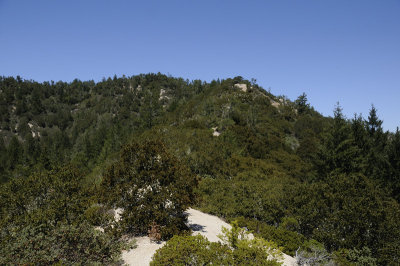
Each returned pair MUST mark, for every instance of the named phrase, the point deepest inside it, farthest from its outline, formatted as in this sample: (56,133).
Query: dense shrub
(150,185)
(290,241)
(236,249)
(65,244)
(355,257)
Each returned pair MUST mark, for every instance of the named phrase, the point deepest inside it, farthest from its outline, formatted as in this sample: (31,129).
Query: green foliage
(238,249)
(150,185)
(394,160)
(327,213)
(190,250)
(301,104)
(249,193)
(43,222)
(290,241)
(340,153)
(98,215)
(355,257)
(64,244)
(44,198)
(313,253)
(232,236)
(292,172)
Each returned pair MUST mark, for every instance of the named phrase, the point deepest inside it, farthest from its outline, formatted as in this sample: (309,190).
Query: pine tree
(340,153)
(301,104)
(151,186)
(376,159)
(15,152)
(394,160)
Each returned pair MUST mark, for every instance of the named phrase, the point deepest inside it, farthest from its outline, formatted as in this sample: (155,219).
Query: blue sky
(346,51)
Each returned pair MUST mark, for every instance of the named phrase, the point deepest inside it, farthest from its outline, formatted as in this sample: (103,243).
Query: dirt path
(201,223)
(206,225)
(142,254)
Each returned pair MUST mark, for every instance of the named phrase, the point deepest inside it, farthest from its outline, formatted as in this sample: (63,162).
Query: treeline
(48,124)
(277,166)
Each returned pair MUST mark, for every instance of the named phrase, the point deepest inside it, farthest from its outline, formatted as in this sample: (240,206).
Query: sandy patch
(210,226)
(201,223)
(141,256)
(205,224)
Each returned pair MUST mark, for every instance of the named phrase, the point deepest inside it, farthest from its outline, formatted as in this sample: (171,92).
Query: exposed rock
(241,86)
(117,214)
(99,228)
(162,95)
(216,133)
(275,104)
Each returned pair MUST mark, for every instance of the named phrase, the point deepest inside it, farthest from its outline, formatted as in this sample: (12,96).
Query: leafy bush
(355,257)
(237,249)
(97,215)
(150,185)
(65,244)
(313,253)
(190,250)
(289,241)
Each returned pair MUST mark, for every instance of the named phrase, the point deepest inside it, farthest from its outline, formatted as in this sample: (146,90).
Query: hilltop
(70,152)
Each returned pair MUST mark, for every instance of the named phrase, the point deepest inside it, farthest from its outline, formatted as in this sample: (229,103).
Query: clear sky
(333,50)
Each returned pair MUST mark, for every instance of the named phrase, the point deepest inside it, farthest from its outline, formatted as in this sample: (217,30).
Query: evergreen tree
(374,124)
(302,104)
(15,152)
(150,185)
(394,160)
(339,153)
(376,159)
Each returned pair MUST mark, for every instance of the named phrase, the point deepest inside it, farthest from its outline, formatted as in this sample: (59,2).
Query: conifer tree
(151,186)
(376,159)
(340,153)
(301,104)
(394,160)
(15,152)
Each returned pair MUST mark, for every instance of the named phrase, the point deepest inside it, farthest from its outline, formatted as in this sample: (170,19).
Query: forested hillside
(154,145)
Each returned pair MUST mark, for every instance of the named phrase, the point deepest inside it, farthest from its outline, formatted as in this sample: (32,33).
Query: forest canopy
(72,152)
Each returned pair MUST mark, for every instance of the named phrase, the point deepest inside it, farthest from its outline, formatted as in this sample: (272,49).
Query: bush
(190,250)
(150,185)
(65,244)
(237,249)
(354,257)
(313,253)
(290,241)
(97,215)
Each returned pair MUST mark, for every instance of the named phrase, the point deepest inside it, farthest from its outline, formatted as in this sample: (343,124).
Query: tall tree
(394,160)
(150,185)
(339,153)
(376,159)
(15,152)
(302,104)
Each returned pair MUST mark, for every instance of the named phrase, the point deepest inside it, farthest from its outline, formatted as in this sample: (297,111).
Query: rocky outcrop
(215,133)
(241,86)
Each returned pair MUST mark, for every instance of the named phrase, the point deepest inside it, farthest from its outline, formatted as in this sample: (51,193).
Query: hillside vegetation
(155,145)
